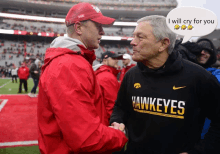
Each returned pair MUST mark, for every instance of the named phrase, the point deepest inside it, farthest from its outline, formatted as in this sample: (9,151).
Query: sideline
(18,143)
(3,104)
(5,84)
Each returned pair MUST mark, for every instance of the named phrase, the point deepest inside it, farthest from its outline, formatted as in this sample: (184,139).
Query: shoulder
(106,76)
(195,69)
(71,63)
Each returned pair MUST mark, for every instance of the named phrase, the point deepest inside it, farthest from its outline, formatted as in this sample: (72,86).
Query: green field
(12,88)
(20,150)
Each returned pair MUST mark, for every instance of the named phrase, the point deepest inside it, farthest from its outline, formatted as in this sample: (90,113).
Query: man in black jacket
(164,100)
(35,74)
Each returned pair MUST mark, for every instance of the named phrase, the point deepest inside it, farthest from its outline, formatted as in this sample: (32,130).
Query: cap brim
(118,57)
(106,21)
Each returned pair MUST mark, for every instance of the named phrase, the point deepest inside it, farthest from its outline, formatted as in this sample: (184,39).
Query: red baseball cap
(86,11)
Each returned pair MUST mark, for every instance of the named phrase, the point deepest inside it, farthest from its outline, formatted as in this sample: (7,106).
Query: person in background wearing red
(127,65)
(23,74)
(106,74)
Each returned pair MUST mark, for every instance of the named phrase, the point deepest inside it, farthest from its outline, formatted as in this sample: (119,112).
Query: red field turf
(18,119)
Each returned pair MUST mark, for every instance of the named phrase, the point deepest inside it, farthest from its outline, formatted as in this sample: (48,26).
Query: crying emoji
(190,27)
(183,27)
(176,27)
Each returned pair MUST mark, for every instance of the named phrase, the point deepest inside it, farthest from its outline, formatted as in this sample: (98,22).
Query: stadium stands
(37,27)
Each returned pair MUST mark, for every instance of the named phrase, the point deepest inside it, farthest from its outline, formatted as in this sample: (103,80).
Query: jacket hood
(104,68)
(172,65)
(206,44)
(65,42)
(96,67)
(66,45)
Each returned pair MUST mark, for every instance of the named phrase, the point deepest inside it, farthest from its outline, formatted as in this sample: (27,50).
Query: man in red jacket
(127,65)
(106,74)
(71,110)
(23,74)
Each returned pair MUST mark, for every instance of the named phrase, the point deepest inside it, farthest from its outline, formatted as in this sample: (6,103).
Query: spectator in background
(127,65)
(106,74)
(203,53)
(14,73)
(35,74)
(164,100)
(9,71)
(206,58)
(71,111)
(23,74)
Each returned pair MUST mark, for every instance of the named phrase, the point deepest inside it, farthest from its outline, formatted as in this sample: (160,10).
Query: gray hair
(160,29)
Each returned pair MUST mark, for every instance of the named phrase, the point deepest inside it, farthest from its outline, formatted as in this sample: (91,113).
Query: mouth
(99,40)
(134,51)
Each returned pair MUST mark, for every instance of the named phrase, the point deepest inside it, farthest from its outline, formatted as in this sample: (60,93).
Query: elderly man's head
(151,38)
(84,22)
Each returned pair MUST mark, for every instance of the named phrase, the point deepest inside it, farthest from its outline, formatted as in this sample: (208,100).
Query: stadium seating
(16,49)
(36,27)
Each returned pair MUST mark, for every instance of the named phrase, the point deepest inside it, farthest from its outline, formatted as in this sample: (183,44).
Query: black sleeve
(120,110)
(32,69)
(211,106)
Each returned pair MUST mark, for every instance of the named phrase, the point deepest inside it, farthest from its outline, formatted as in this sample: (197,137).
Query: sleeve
(70,89)
(32,69)
(121,109)
(211,106)
(110,89)
(19,73)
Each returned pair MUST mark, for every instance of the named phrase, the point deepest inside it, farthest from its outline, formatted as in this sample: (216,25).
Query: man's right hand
(118,126)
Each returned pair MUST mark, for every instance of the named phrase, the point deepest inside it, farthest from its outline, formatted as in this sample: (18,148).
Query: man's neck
(157,62)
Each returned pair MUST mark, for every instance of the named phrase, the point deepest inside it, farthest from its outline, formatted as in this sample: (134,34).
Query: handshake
(118,126)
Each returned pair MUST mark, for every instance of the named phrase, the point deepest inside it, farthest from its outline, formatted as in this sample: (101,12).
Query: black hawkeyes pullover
(164,110)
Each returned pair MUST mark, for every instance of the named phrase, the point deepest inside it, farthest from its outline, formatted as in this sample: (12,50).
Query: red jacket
(71,110)
(124,70)
(107,78)
(23,73)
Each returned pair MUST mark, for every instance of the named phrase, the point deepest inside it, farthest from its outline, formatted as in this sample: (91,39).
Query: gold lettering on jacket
(159,106)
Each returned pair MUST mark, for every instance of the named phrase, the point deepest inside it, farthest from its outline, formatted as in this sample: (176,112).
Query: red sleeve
(110,87)
(19,72)
(70,89)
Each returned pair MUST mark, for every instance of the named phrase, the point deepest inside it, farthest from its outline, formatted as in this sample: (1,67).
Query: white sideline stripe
(3,104)
(13,94)
(5,84)
(18,143)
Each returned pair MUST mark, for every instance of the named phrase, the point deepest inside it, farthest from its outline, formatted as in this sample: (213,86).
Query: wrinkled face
(91,34)
(126,62)
(145,45)
(203,57)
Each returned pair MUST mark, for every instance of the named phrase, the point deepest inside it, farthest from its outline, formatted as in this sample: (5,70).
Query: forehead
(143,27)
(94,23)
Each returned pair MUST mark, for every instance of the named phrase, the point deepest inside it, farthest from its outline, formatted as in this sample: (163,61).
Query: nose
(133,43)
(101,31)
(203,52)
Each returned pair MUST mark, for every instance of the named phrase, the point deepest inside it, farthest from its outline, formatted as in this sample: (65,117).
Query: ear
(164,44)
(78,27)
(104,61)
